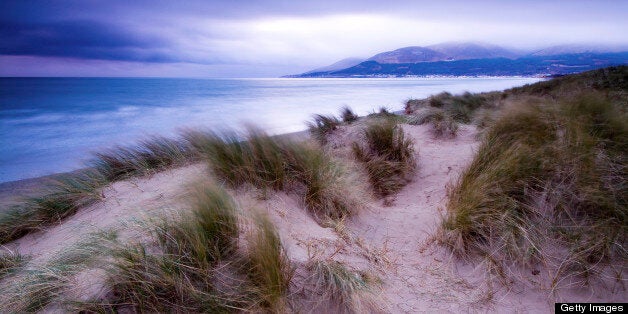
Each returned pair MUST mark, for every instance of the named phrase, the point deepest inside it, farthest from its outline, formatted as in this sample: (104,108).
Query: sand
(391,240)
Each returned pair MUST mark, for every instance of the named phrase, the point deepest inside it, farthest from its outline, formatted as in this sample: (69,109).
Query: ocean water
(50,125)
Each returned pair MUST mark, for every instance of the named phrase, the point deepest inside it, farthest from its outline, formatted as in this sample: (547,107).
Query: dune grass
(33,288)
(272,163)
(63,196)
(11,262)
(443,125)
(350,289)
(459,107)
(144,158)
(59,199)
(347,115)
(269,267)
(546,176)
(198,264)
(388,157)
(445,111)
(322,126)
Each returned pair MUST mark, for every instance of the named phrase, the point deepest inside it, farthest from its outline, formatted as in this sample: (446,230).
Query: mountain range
(474,59)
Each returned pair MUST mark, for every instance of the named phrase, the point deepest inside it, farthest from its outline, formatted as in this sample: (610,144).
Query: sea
(51,125)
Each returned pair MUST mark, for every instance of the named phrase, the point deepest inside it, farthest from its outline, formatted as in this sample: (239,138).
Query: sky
(239,38)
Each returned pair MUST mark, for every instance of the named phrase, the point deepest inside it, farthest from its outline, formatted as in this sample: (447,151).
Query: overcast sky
(235,38)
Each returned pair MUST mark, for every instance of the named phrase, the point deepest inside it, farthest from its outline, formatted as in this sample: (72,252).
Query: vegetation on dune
(271,163)
(460,108)
(348,116)
(545,176)
(350,289)
(62,198)
(198,264)
(10,262)
(32,288)
(388,157)
(445,111)
(322,126)
(269,269)
(613,80)
(148,156)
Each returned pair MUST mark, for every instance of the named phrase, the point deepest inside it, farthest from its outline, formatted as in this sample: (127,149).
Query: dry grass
(33,288)
(388,157)
(351,290)
(11,262)
(148,156)
(546,176)
(347,115)
(271,163)
(270,270)
(460,108)
(197,264)
(322,126)
(61,198)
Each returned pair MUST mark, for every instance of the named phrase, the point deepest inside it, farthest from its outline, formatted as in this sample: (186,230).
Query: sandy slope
(391,242)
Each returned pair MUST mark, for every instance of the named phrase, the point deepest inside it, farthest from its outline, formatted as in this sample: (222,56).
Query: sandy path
(419,279)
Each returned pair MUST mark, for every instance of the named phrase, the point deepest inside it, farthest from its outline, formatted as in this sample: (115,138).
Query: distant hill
(408,55)
(465,51)
(342,64)
(571,49)
(476,59)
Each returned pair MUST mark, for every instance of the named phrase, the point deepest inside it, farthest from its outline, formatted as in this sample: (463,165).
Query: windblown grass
(459,108)
(322,126)
(148,156)
(388,157)
(443,125)
(271,163)
(546,177)
(198,265)
(62,198)
(270,270)
(11,262)
(347,115)
(351,290)
(33,288)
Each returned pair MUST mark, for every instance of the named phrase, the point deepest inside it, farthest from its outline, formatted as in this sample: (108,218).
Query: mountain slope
(464,51)
(342,64)
(408,55)
(525,66)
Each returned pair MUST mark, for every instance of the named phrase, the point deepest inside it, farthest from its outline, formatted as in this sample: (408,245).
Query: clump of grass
(149,155)
(347,115)
(322,126)
(179,275)
(350,289)
(443,125)
(270,269)
(388,157)
(271,163)
(197,264)
(460,108)
(11,262)
(208,235)
(447,128)
(62,197)
(543,176)
(33,288)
